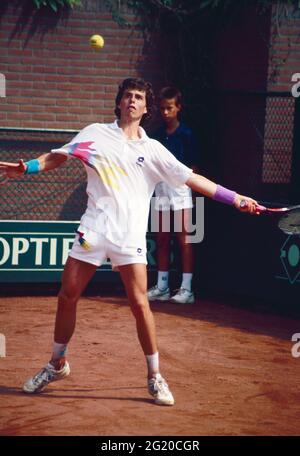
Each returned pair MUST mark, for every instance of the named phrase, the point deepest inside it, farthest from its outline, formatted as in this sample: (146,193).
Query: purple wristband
(223,195)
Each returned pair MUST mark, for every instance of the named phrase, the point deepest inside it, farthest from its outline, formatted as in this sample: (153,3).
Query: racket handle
(261,208)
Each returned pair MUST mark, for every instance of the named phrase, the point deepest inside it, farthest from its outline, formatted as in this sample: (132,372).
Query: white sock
(59,351)
(187,280)
(153,363)
(163,280)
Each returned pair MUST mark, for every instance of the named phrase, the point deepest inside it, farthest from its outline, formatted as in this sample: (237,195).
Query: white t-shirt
(121,177)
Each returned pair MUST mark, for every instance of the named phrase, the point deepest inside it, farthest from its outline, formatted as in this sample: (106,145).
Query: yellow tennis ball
(97,41)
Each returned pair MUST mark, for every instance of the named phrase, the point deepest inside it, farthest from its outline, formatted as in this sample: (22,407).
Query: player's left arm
(44,162)
(206,187)
(51,161)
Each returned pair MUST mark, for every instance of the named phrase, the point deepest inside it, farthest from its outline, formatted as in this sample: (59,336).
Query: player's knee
(67,297)
(139,307)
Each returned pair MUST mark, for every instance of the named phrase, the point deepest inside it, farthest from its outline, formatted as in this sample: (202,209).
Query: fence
(256,143)
(258,140)
(56,195)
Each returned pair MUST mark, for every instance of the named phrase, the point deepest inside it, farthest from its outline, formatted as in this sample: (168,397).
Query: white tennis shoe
(159,389)
(43,377)
(155,294)
(183,296)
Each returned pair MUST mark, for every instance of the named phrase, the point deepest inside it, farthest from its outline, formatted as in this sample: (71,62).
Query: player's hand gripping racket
(289,221)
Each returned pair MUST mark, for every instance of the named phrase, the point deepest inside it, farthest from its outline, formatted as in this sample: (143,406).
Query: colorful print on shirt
(108,171)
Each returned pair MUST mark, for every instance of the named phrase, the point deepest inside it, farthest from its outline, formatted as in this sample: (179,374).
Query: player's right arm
(46,162)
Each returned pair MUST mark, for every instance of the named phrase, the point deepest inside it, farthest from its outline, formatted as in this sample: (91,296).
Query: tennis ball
(97,41)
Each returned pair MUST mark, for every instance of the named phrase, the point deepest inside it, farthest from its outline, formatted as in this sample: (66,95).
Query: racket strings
(289,223)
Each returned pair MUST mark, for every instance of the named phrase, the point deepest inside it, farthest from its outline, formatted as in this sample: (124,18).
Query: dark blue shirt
(181,143)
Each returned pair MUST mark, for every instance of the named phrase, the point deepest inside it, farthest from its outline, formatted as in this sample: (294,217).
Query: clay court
(230,368)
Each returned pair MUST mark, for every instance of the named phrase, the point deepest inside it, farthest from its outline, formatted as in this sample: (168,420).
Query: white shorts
(95,248)
(168,198)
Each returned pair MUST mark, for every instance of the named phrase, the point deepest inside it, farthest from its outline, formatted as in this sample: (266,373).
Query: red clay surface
(231,371)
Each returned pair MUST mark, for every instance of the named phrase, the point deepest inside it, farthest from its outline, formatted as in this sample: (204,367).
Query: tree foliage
(152,10)
(55,5)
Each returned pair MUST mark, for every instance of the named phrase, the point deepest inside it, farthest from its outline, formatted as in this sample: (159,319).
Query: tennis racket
(289,221)
(277,210)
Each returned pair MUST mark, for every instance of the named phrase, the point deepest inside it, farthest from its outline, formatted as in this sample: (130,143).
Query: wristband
(33,167)
(223,195)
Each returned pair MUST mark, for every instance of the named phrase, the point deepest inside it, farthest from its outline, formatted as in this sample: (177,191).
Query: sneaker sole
(190,301)
(160,402)
(160,298)
(37,391)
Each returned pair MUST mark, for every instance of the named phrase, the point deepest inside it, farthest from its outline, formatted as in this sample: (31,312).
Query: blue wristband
(33,167)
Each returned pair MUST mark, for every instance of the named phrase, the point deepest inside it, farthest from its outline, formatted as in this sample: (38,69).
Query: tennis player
(123,165)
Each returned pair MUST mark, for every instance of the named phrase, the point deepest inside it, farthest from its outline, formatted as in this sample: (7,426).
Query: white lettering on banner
(18,249)
(65,250)
(6,251)
(38,250)
(53,253)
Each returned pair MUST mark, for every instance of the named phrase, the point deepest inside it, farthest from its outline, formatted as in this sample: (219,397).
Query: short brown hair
(137,84)
(169,92)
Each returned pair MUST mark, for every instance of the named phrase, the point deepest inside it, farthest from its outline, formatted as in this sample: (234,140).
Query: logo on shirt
(139,251)
(140,161)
